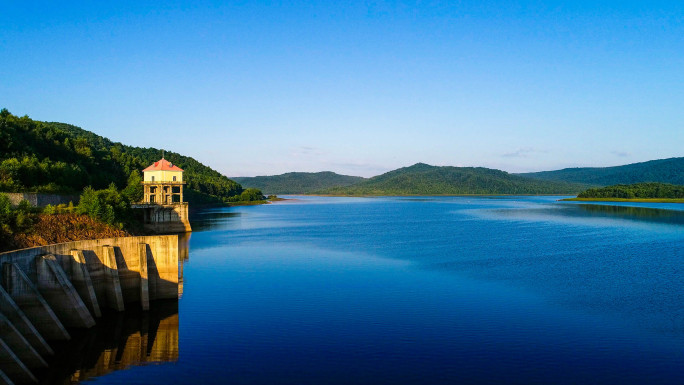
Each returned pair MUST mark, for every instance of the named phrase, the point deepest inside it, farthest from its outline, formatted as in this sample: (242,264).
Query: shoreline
(431,195)
(198,206)
(256,203)
(636,200)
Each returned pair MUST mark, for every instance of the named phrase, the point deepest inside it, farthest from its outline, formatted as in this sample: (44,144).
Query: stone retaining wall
(42,200)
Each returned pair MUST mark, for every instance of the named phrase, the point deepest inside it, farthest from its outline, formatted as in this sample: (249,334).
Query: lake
(423,290)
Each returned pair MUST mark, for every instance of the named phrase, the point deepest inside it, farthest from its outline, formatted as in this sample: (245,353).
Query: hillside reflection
(645,214)
(118,341)
(584,211)
(210,219)
(183,257)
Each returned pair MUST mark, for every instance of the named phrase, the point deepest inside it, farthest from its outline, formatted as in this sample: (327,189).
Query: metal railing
(162,182)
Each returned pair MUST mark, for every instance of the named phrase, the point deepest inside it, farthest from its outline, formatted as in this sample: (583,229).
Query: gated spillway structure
(48,291)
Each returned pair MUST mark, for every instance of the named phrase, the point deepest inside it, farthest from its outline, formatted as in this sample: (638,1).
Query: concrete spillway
(49,290)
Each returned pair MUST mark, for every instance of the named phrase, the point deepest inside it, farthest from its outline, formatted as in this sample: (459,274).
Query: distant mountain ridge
(298,182)
(670,170)
(424,179)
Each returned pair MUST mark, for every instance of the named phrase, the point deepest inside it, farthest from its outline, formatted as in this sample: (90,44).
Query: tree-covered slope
(58,157)
(669,170)
(423,179)
(298,182)
(636,191)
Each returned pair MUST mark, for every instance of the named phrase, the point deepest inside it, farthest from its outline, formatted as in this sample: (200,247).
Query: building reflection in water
(184,256)
(120,340)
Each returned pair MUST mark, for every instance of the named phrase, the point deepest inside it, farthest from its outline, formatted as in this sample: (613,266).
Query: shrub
(24,206)
(5,206)
(108,205)
(23,221)
(251,195)
(49,210)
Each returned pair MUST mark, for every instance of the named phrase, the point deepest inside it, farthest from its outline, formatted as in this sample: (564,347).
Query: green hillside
(662,170)
(298,182)
(423,179)
(62,158)
(636,191)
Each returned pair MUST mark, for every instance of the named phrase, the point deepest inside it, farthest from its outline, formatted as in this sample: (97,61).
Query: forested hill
(298,182)
(62,158)
(423,179)
(636,191)
(669,170)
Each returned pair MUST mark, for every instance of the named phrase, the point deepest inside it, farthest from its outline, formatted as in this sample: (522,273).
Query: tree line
(636,191)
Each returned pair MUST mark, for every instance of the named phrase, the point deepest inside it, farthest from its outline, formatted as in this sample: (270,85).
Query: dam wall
(165,218)
(45,291)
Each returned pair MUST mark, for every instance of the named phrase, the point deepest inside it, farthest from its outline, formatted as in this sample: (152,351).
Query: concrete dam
(57,293)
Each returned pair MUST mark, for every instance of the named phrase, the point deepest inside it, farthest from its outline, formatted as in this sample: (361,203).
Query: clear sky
(356,87)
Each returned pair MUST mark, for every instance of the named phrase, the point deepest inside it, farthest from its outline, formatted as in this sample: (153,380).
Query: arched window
(174,178)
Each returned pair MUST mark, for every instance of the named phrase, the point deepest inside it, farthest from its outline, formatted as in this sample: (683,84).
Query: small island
(638,192)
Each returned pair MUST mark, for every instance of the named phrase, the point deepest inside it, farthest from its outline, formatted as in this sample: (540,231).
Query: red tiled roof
(163,165)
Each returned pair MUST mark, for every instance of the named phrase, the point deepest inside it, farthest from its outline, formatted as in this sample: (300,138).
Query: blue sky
(262,88)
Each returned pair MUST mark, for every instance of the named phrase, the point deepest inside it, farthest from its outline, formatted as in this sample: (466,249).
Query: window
(174,178)
(152,179)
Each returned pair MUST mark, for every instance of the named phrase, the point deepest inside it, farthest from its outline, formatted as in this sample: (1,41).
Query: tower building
(163,205)
(163,183)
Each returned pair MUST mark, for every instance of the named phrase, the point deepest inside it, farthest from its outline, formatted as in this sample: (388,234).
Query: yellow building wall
(163,176)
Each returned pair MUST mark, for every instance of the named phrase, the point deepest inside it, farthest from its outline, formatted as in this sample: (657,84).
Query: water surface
(430,290)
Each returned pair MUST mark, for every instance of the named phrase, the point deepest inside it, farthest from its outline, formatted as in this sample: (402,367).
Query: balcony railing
(156,204)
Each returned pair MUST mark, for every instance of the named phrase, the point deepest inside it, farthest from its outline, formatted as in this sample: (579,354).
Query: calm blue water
(521,290)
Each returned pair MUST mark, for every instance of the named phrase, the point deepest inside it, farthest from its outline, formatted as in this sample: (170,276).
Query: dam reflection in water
(120,340)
